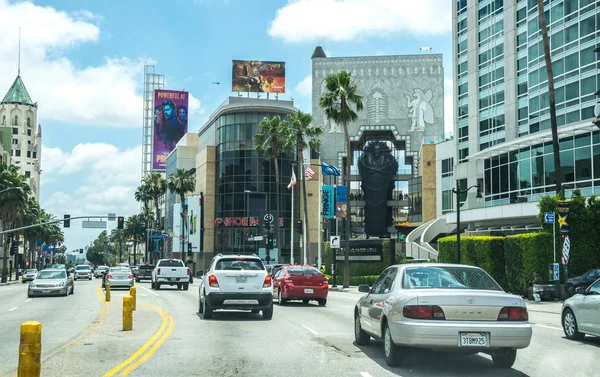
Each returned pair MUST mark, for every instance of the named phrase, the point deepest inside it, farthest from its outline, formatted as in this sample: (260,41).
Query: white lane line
(311,330)
(549,327)
(28,300)
(147,290)
(15,308)
(365,374)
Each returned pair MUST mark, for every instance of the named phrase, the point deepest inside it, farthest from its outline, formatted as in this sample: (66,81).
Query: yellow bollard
(30,349)
(132,293)
(107,292)
(127,314)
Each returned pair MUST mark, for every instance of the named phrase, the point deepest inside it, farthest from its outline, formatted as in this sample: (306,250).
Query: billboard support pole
(152,81)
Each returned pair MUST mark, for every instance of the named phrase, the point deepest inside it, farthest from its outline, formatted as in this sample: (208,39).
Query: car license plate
(308,290)
(240,279)
(473,339)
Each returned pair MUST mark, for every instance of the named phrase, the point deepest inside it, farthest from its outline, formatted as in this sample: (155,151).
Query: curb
(10,282)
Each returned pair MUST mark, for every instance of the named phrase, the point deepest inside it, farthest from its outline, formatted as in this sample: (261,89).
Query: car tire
(73,290)
(152,285)
(322,301)
(200,309)
(186,286)
(392,353)
(504,358)
(268,312)
(23,281)
(137,280)
(207,311)
(66,292)
(90,278)
(157,285)
(179,286)
(569,324)
(29,294)
(305,301)
(280,300)
(360,336)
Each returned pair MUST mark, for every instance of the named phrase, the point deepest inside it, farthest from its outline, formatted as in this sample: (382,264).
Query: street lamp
(458,193)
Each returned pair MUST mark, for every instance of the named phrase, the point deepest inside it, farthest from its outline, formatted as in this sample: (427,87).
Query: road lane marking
(147,290)
(311,330)
(15,308)
(145,346)
(549,327)
(365,374)
(154,348)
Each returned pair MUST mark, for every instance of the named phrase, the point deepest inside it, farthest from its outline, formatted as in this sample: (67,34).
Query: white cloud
(448,105)
(346,20)
(105,94)
(304,87)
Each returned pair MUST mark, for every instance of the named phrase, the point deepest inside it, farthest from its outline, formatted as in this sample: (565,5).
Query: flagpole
(292,230)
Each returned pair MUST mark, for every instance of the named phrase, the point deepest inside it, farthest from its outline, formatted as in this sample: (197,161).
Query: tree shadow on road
(435,363)
(234,315)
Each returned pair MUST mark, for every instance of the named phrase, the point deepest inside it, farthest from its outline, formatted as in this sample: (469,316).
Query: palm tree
(268,141)
(341,94)
(33,215)
(552,100)
(300,130)
(181,182)
(117,237)
(157,187)
(146,217)
(13,199)
(142,195)
(133,230)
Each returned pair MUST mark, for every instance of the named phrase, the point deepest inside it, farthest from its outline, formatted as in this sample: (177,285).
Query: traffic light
(299,226)
(120,222)
(13,247)
(143,233)
(67,221)
(270,240)
(189,247)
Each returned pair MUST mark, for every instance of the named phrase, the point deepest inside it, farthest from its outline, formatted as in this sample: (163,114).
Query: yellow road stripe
(154,348)
(144,347)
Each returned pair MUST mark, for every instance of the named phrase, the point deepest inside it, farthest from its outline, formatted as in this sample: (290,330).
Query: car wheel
(280,299)
(137,280)
(305,301)
(66,292)
(157,286)
(569,323)
(73,290)
(268,312)
(207,311)
(322,301)
(29,294)
(23,281)
(200,308)
(504,358)
(179,286)
(361,337)
(152,285)
(90,278)
(393,354)
(186,286)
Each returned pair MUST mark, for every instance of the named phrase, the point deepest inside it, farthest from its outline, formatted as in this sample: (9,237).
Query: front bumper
(300,293)
(47,291)
(446,335)
(27,278)
(82,276)
(241,301)
(116,283)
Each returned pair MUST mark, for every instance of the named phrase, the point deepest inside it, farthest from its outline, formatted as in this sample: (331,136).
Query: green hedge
(361,269)
(524,255)
(354,280)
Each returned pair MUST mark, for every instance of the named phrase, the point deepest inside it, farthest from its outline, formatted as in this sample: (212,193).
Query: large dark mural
(377,167)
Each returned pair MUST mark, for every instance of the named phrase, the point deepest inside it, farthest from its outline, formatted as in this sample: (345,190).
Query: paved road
(82,336)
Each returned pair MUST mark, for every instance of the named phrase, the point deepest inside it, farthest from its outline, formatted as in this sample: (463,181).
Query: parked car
(29,275)
(582,281)
(580,313)
(445,307)
(170,272)
(144,272)
(236,282)
(51,282)
(297,282)
(118,277)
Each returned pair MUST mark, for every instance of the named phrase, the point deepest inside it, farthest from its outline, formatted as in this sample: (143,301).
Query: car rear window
(82,268)
(239,264)
(448,278)
(303,271)
(146,268)
(170,263)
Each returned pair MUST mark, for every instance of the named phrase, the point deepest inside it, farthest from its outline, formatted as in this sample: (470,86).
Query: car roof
(53,269)
(425,265)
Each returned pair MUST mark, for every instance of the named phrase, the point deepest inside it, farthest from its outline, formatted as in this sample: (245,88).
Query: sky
(83,62)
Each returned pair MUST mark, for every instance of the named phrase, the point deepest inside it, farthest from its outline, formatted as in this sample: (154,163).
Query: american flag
(308,172)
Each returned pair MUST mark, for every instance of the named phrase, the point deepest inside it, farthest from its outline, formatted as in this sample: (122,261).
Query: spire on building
(18,94)
(318,53)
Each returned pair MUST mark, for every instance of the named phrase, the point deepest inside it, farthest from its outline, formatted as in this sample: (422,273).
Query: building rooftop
(18,94)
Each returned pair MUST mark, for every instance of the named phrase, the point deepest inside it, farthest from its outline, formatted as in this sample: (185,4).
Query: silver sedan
(581,313)
(441,306)
(51,282)
(118,277)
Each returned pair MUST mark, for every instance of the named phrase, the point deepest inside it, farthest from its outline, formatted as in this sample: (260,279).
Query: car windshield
(30,271)
(303,271)
(103,268)
(593,274)
(451,277)
(239,264)
(82,267)
(52,275)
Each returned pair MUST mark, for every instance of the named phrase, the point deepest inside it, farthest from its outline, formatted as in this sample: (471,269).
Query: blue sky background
(104,44)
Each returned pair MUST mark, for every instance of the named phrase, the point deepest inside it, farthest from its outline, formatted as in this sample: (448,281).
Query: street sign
(555,272)
(158,236)
(112,216)
(334,242)
(549,217)
(93,224)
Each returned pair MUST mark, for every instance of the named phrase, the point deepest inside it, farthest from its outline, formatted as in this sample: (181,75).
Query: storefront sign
(362,251)
(240,221)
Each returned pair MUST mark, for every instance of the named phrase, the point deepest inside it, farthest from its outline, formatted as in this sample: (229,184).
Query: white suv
(236,282)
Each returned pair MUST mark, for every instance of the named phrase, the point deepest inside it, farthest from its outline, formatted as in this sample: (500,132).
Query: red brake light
(423,312)
(109,276)
(131,276)
(158,271)
(513,313)
(212,281)
(268,281)
(189,271)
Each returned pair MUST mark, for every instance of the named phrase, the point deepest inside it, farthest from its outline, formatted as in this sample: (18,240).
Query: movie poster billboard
(170,124)
(194,226)
(258,76)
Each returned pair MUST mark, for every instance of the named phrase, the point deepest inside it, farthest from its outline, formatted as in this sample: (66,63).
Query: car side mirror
(580,291)
(364,288)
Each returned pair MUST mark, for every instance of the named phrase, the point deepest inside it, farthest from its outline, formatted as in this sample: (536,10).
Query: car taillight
(513,313)
(189,271)
(423,312)
(109,276)
(212,281)
(267,283)
(131,276)
(158,271)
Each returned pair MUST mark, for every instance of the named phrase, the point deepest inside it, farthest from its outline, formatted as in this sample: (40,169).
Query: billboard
(258,76)
(170,124)
(194,226)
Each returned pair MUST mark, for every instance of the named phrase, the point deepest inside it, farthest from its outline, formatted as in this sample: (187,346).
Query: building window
(15,131)
(27,173)
(4,120)
(29,132)
(17,152)
(415,196)
(16,122)
(29,154)
(15,141)
(34,154)
(447,174)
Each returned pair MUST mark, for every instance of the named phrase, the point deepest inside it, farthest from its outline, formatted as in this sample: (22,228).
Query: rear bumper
(120,283)
(300,293)
(144,277)
(173,281)
(243,301)
(447,335)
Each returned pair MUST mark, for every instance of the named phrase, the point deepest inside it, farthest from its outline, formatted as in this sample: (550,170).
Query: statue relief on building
(378,105)
(420,109)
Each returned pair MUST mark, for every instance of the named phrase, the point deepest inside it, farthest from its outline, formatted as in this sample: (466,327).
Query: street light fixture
(458,193)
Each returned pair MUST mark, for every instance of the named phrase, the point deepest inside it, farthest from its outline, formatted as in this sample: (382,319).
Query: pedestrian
(537,279)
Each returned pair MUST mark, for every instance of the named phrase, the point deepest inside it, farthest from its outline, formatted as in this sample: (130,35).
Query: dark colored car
(135,270)
(144,272)
(583,281)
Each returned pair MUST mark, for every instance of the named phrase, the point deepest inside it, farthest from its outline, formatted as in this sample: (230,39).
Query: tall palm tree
(142,195)
(146,217)
(300,131)
(157,187)
(338,100)
(181,182)
(552,100)
(33,215)
(117,237)
(133,230)
(268,141)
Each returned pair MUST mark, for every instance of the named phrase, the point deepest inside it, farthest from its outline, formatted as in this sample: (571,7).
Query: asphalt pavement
(82,335)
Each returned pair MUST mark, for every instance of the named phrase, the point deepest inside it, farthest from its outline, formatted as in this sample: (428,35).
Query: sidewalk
(10,282)
(553,307)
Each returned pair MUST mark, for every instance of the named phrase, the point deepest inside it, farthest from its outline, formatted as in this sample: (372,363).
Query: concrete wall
(427,171)
(205,183)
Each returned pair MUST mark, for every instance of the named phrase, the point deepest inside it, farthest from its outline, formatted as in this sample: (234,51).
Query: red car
(295,282)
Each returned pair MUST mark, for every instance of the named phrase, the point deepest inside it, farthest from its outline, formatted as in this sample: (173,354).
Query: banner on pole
(563,225)
(328,209)
(341,201)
